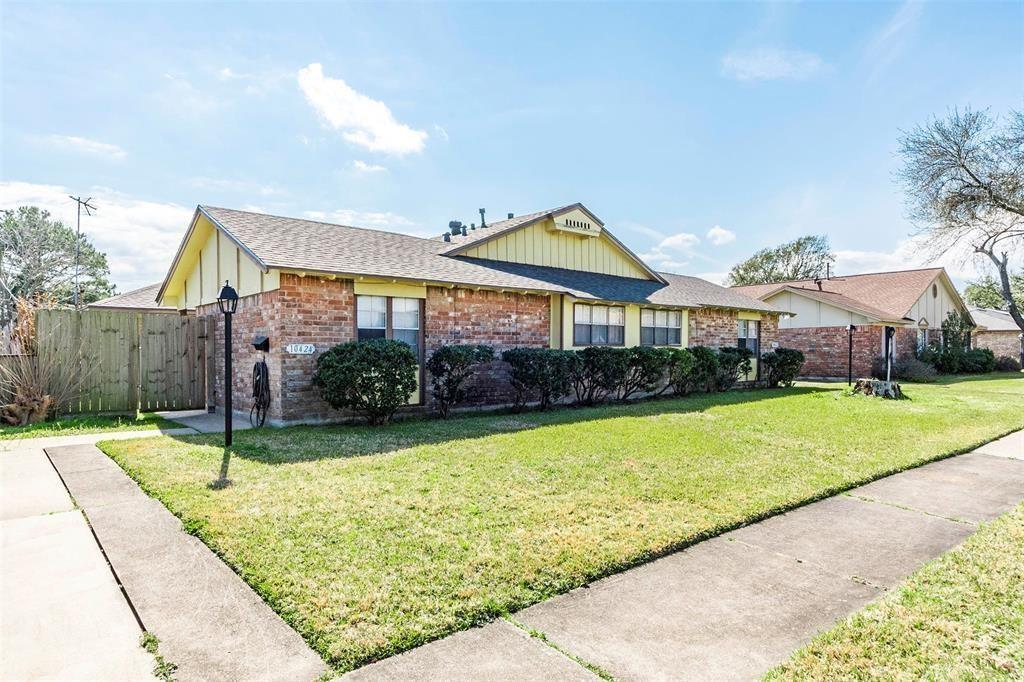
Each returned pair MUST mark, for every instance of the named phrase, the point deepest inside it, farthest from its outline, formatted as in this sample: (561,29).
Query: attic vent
(578,224)
(935,291)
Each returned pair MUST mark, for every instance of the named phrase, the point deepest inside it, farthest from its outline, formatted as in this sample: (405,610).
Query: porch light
(228,299)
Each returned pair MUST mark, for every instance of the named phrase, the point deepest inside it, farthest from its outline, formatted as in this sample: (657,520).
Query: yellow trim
(554,335)
(390,289)
(632,331)
(748,315)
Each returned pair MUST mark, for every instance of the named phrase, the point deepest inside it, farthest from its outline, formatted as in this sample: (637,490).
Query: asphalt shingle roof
(296,244)
(994,320)
(886,295)
(143,298)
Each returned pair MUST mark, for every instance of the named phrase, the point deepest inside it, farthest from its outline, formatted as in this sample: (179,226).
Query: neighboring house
(998,332)
(914,302)
(555,279)
(142,300)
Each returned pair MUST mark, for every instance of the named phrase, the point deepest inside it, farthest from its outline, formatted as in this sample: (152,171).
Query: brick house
(821,312)
(998,332)
(555,278)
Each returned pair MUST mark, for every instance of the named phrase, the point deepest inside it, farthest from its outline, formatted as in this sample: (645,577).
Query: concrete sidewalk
(210,624)
(62,614)
(733,607)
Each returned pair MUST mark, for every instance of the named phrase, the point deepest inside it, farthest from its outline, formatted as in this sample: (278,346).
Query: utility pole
(78,236)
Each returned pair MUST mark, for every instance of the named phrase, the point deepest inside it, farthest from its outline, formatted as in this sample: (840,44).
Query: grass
(75,426)
(370,541)
(960,617)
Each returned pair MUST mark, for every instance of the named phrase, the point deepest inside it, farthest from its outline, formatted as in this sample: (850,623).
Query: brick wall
(499,319)
(826,349)
(256,315)
(1000,343)
(302,310)
(322,312)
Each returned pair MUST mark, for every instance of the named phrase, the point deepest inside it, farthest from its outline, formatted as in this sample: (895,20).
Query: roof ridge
(317,222)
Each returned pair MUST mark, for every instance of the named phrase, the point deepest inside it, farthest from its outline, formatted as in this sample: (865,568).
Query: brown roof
(885,295)
(296,244)
(143,299)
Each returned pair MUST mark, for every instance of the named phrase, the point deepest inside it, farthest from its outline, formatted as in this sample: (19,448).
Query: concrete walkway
(210,624)
(733,607)
(62,613)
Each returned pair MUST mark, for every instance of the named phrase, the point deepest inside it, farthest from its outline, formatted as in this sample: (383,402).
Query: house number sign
(300,348)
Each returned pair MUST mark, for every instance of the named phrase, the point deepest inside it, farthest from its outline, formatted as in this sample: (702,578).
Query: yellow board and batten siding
(542,244)
(210,258)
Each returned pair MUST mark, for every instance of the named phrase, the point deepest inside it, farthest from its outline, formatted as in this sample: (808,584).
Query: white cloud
(961,264)
(718,235)
(86,146)
(391,222)
(640,229)
(362,121)
(714,277)
(768,63)
(673,252)
(891,40)
(364,167)
(239,186)
(178,94)
(441,132)
(139,237)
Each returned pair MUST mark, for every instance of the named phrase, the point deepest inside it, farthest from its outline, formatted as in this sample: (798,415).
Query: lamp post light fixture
(227,301)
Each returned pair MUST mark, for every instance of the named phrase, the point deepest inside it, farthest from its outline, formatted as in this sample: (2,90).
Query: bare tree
(964,178)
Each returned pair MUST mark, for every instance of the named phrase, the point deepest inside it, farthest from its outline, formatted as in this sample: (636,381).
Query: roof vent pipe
(483,223)
(463,230)
(510,215)
(447,236)
(454,226)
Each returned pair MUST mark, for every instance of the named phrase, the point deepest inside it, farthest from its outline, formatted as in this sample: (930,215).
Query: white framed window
(748,335)
(384,317)
(661,327)
(598,325)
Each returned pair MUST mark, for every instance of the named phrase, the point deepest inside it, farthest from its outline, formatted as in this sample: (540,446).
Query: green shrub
(705,369)
(597,372)
(681,370)
(538,372)
(905,368)
(450,367)
(373,378)
(646,370)
(782,366)
(1004,363)
(978,361)
(732,362)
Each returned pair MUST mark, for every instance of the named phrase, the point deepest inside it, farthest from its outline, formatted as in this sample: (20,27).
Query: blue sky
(697,132)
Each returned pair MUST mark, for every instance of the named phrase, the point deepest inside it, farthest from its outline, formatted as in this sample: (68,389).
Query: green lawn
(75,426)
(370,541)
(961,617)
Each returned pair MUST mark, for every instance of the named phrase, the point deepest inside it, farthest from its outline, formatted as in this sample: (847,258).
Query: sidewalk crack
(953,519)
(538,635)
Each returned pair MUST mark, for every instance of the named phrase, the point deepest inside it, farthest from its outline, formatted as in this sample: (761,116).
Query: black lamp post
(227,301)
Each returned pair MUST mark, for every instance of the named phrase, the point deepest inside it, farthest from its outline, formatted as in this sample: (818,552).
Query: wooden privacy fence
(130,360)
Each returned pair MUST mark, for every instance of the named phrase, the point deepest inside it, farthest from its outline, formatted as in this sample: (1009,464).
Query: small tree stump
(879,389)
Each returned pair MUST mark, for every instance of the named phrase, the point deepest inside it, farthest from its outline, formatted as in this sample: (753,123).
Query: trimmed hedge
(905,368)
(782,366)
(538,373)
(1005,363)
(449,368)
(373,378)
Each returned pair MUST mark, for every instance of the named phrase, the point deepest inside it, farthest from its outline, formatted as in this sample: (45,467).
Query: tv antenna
(89,208)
